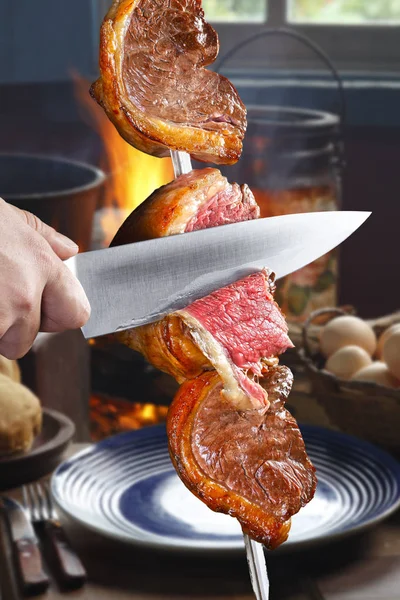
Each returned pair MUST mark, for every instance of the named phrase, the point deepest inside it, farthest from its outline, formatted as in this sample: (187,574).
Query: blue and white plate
(126,488)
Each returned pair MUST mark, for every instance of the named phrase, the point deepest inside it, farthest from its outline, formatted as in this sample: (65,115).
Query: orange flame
(109,416)
(133,175)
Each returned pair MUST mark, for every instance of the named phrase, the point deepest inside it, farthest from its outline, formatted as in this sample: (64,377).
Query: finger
(19,338)
(62,245)
(64,302)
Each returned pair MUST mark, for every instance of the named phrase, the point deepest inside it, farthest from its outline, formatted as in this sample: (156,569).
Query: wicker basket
(367,410)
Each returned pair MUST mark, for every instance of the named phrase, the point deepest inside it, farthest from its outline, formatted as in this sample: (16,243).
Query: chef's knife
(26,547)
(140,283)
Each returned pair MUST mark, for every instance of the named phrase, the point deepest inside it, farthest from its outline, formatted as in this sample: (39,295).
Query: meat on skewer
(154,85)
(198,338)
(231,440)
(249,464)
(198,200)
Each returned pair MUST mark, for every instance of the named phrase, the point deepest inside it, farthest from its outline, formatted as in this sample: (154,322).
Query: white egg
(379,373)
(385,336)
(391,354)
(347,361)
(347,331)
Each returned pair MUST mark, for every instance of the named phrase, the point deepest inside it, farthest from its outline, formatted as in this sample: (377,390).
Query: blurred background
(321,82)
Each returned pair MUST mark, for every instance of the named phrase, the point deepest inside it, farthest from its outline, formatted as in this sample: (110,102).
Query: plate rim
(238,547)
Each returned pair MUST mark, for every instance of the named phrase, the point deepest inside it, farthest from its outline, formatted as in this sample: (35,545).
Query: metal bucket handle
(310,44)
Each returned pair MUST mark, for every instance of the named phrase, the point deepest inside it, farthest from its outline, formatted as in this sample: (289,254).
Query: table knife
(26,548)
(140,283)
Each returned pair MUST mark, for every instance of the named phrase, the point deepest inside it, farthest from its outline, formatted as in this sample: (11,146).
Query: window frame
(350,47)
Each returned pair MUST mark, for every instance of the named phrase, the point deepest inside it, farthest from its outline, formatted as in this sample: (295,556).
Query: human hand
(37,291)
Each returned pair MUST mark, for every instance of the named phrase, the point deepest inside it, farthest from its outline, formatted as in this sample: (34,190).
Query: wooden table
(366,567)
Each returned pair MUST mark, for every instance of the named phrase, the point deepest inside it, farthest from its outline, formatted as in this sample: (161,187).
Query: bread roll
(10,368)
(20,417)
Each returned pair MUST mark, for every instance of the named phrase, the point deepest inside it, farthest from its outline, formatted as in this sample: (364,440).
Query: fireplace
(110,416)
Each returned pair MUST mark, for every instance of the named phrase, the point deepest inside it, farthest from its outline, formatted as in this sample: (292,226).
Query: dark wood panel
(370,260)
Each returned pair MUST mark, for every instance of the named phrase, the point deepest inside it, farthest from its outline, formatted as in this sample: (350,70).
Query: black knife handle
(68,563)
(29,560)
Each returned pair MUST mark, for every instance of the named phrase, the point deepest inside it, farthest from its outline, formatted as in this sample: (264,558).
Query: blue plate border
(308,431)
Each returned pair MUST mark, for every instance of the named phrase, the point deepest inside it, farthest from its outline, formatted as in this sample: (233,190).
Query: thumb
(64,302)
(62,245)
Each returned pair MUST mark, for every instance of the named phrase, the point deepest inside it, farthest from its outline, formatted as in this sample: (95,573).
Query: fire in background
(132,175)
(109,416)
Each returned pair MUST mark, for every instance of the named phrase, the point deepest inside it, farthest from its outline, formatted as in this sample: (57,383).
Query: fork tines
(38,503)
(40,507)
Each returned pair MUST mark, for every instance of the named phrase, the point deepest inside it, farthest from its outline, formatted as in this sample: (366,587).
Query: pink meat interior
(231,205)
(248,324)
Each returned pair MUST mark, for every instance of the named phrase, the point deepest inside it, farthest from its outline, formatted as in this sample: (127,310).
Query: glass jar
(292,163)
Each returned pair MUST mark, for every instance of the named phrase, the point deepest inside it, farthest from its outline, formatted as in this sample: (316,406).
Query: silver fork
(40,507)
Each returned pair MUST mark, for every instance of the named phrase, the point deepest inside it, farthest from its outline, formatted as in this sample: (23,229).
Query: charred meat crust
(166,345)
(268,527)
(169,208)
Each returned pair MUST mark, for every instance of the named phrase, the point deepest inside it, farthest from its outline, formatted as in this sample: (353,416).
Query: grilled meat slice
(197,200)
(231,440)
(249,464)
(230,329)
(154,85)
(238,330)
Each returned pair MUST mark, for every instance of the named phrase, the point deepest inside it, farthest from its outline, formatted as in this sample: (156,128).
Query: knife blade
(139,283)
(26,547)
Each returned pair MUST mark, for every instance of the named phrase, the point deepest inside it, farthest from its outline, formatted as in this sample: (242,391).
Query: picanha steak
(231,440)
(154,85)
(200,199)
(250,464)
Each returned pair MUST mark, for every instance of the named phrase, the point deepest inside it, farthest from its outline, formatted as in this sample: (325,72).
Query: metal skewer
(182,162)
(257,568)
(255,553)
